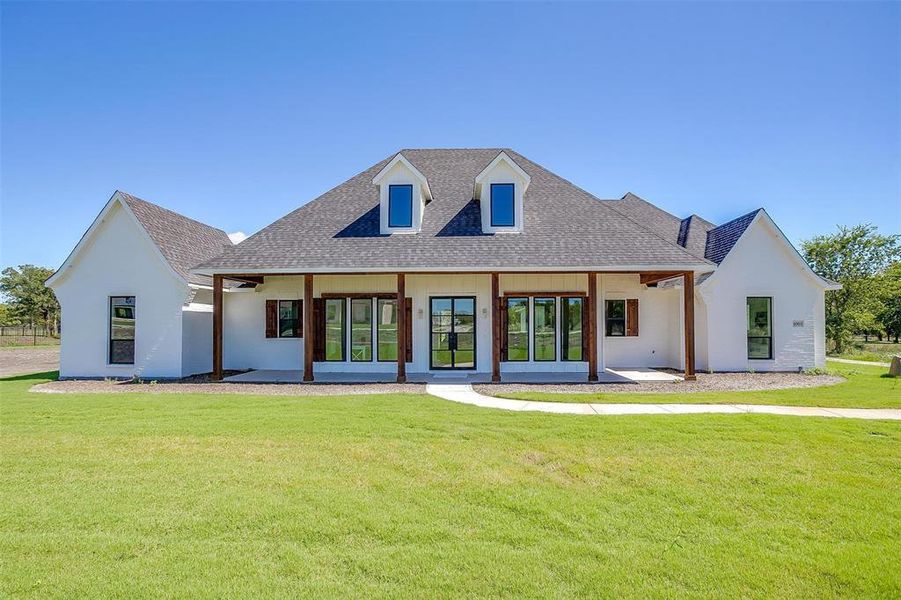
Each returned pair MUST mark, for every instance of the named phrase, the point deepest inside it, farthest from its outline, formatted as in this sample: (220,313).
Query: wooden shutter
(298,322)
(318,329)
(502,328)
(586,330)
(408,321)
(271,318)
(632,317)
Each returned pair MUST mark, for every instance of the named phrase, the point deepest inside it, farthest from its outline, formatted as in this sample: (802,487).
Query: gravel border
(247,389)
(706,382)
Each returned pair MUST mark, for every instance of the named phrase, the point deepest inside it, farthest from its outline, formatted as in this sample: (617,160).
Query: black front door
(453,333)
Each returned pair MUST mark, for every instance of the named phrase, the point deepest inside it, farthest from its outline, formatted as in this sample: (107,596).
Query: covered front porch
(516,327)
(635,375)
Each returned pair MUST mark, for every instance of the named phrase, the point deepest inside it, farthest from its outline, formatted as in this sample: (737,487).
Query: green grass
(866,387)
(873,351)
(138,495)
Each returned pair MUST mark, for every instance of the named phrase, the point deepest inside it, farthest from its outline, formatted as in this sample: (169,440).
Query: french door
(453,333)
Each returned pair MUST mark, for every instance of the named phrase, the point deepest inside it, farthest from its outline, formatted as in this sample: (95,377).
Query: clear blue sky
(235,114)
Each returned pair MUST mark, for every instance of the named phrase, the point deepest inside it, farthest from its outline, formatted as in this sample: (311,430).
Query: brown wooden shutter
(632,317)
(298,321)
(502,328)
(271,318)
(586,330)
(318,329)
(408,311)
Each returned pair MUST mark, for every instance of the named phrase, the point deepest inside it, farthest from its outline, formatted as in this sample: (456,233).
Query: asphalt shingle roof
(564,227)
(183,242)
(720,240)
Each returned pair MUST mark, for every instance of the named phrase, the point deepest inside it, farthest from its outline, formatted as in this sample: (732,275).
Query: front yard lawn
(137,495)
(866,387)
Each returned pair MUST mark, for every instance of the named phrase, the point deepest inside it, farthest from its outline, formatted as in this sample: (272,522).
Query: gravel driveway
(28,359)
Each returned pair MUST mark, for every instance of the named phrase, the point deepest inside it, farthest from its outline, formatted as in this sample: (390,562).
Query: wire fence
(27,335)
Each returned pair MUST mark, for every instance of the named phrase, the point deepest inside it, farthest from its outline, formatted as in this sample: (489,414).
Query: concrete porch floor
(636,375)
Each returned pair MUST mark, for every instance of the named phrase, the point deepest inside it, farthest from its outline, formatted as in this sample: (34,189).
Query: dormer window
(403,194)
(500,190)
(503,205)
(400,205)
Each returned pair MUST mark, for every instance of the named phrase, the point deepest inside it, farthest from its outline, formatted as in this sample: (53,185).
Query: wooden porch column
(217,327)
(496,328)
(688,280)
(592,327)
(309,328)
(401,329)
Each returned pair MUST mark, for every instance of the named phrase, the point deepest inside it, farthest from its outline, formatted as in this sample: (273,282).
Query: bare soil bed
(706,382)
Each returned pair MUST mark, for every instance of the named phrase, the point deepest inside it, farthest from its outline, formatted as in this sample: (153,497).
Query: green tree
(29,300)
(889,317)
(854,257)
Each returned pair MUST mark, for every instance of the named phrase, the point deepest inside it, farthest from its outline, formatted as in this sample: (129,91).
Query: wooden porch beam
(308,328)
(689,321)
(592,327)
(655,276)
(496,328)
(257,279)
(217,327)
(401,329)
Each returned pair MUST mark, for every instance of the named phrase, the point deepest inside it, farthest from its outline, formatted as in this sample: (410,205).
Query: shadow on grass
(54,375)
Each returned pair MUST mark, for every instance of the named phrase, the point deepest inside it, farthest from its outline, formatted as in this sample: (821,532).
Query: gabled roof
(720,240)
(565,228)
(182,243)
(400,159)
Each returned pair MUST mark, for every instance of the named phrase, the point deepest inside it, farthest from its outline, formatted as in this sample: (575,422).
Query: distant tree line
(27,300)
(868,265)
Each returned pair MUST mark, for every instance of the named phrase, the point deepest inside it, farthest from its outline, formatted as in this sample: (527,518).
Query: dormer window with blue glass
(503,205)
(400,206)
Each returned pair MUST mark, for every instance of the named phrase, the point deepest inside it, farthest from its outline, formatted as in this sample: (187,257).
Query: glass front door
(453,333)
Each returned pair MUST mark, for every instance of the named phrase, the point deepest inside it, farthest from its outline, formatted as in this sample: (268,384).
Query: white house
(478,263)
(130,304)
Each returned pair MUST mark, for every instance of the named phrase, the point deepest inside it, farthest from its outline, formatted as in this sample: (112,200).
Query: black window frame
(350,330)
(528,327)
(344,319)
(535,330)
(110,339)
(299,317)
(375,319)
(608,319)
(564,333)
(390,188)
(512,208)
(769,300)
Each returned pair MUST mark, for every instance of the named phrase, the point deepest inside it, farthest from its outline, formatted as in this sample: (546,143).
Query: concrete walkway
(849,361)
(464,394)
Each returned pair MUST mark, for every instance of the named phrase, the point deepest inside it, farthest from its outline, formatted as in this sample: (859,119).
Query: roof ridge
(169,210)
(610,207)
(739,218)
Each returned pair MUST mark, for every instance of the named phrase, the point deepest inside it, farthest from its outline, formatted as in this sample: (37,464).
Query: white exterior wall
(244,342)
(763,264)
(659,340)
(119,260)
(197,341)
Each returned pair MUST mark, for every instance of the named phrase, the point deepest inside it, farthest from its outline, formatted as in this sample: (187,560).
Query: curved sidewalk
(464,394)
